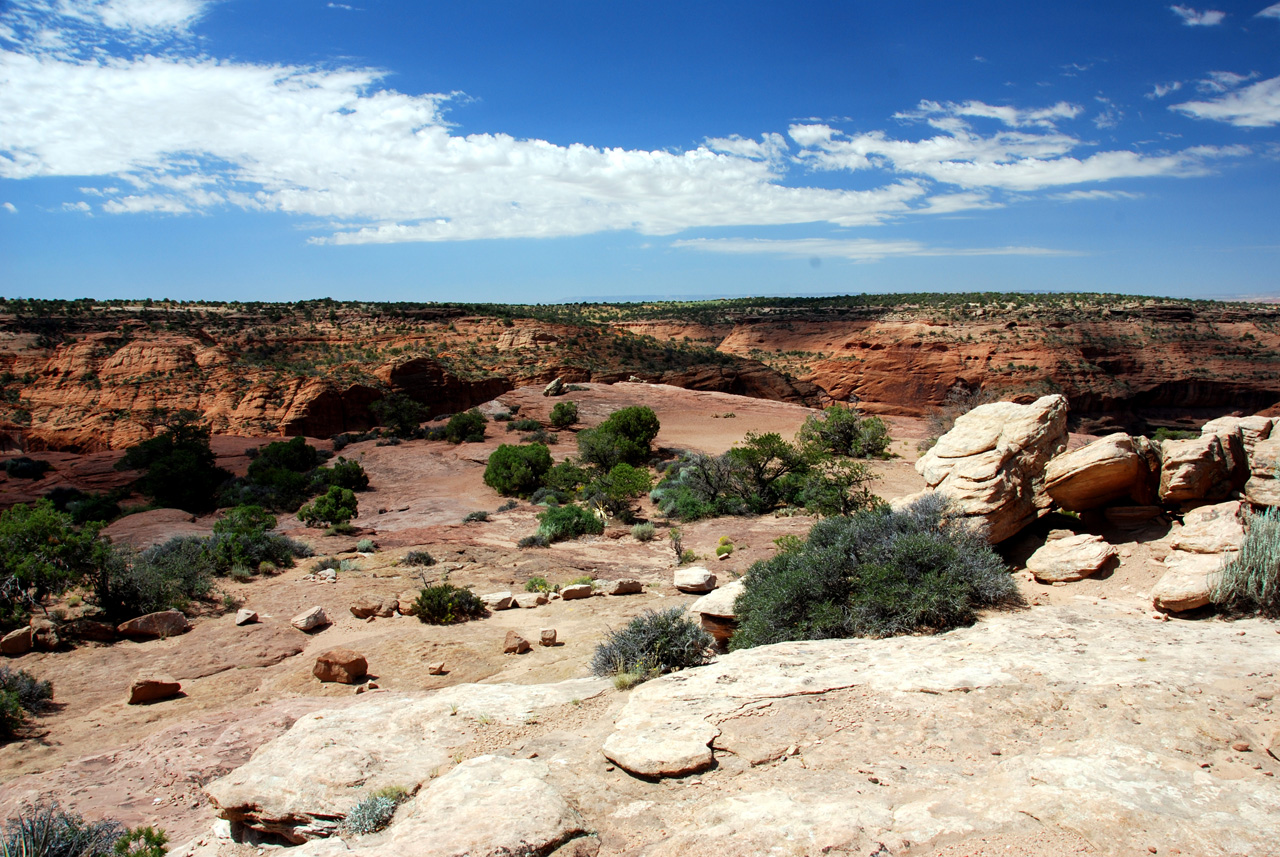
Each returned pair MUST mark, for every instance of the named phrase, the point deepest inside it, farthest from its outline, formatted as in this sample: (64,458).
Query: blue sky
(549,151)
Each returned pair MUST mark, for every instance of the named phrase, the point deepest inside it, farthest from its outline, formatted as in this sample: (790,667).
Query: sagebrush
(652,643)
(1250,583)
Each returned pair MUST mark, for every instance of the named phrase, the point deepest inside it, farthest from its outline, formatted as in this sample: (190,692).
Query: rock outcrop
(153,687)
(695,579)
(1210,467)
(166,623)
(341,665)
(1263,487)
(1070,557)
(716,614)
(991,464)
(1108,469)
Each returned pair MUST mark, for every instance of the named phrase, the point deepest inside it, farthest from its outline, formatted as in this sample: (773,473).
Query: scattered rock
(436,668)
(166,623)
(44,634)
(716,612)
(514,644)
(547,637)
(555,388)
(1188,582)
(366,606)
(152,687)
(17,642)
(529,600)
(405,602)
(1111,467)
(246,617)
(577,590)
(1211,529)
(626,586)
(498,600)
(991,463)
(311,619)
(1072,557)
(341,665)
(695,578)
(1208,467)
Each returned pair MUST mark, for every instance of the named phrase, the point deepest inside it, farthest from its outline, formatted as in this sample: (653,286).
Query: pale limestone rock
(991,464)
(246,617)
(529,600)
(695,578)
(498,600)
(299,785)
(1211,529)
(1209,467)
(166,623)
(341,665)
(715,612)
(488,806)
(1072,557)
(151,687)
(554,388)
(1108,469)
(310,619)
(17,642)
(577,590)
(1252,430)
(1263,487)
(1188,582)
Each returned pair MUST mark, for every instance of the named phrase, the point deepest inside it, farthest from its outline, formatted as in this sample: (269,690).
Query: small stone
(1241,747)
(626,586)
(246,617)
(694,579)
(365,607)
(578,590)
(151,687)
(498,600)
(17,642)
(341,665)
(436,668)
(309,620)
(515,644)
(547,637)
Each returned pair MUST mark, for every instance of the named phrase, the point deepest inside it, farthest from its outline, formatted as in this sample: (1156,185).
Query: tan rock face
(1188,583)
(17,642)
(1211,529)
(341,665)
(1108,469)
(1209,467)
(695,578)
(991,464)
(1073,557)
(1263,487)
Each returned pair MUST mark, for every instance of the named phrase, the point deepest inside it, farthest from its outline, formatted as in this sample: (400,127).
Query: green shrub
(508,506)
(366,546)
(534,541)
(1162,434)
(21,694)
(44,829)
(540,436)
(465,428)
(625,437)
(564,414)
(517,470)
(615,491)
(446,604)
(652,643)
(241,537)
(477,517)
(838,487)
(163,577)
(332,562)
(724,548)
(370,815)
(416,557)
(42,554)
(399,413)
(523,425)
(344,474)
(141,842)
(335,506)
(1250,583)
(566,477)
(180,469)
(582,579)
(560,523)
(85,508)
(843,431)
(875,574)
(643,532)
(26,468)
(537,584)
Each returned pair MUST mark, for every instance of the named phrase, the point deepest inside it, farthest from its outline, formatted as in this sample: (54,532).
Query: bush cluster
(335,507)
(561,523)
(21,694)
(1250,583)
(44,829)
(465,428)
(26,468)
(180,470)
(839,430)
(285,474)
(876,573)
(652,643)
(446,604)
(42,554)
(564,414)
(517,470)
(626,436)
(417,557)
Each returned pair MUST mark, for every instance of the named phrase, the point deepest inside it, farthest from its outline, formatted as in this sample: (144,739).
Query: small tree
(181,470)
(335,506)
(843,431)
(517,470)
(625,437)
(564,414)
(616,490)
(42,554)
(399,413)
(465,428)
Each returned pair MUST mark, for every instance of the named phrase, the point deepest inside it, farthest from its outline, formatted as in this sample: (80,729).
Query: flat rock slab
(153,626)
(577,590)
(1188,583)
(695,578)
(1211,529)
(310,619)
(301,784)
(1073,557)
(152,688)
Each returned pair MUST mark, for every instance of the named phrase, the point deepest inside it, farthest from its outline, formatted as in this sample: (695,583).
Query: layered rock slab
(991,464)
(1108,469)
(1071,557)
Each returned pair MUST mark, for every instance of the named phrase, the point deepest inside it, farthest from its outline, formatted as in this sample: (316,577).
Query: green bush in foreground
(141,842)
(42,554)
(652,643)
(877,573)
(44,829)
(446,604)
(1250,583)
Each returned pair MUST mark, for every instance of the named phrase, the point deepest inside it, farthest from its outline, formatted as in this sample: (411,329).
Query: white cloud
(144,204)
(76,206)
(1093,195)
(938,114)
(342,6)
(1193,18)
(1270,12)
(855,249)
(1110,116)
(1223,81)
(9,207)
(1255,106)
(1160,90)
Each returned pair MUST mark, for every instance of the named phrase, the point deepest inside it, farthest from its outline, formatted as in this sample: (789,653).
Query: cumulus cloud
(854,249)
(76,206)
(1270,12)
(1255,106)
(1194,18)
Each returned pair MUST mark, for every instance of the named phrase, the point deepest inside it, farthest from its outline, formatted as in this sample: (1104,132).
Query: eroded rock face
(1211,529)
(1263,487)
(716,614)
(310,619)
(1188,583)
(991,465)
(300,785)
(1209,467)
(1073,557)
(1106,470)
